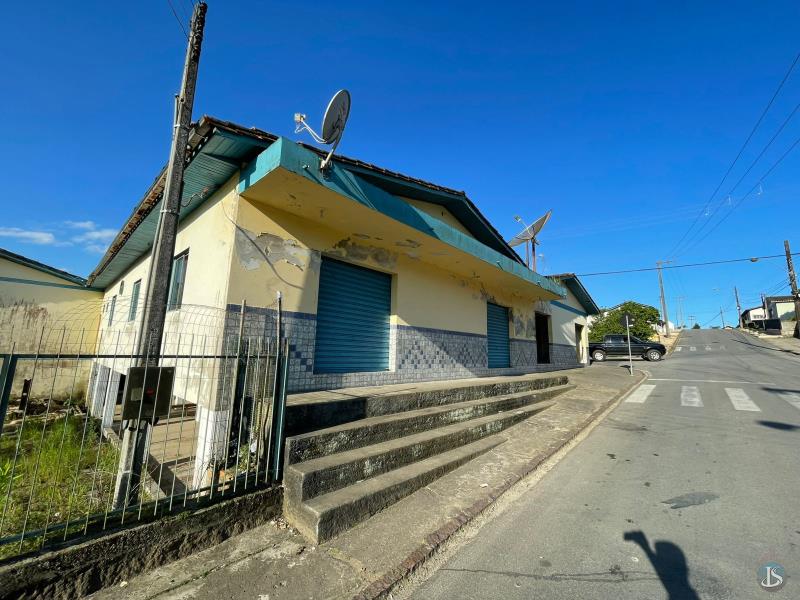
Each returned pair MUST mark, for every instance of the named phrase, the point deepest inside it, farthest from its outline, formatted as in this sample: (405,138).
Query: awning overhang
(287,176)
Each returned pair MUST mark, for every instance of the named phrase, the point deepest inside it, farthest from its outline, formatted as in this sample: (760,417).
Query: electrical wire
(743,198)
(178,19)
(702,264)
(745,174)
(741,150)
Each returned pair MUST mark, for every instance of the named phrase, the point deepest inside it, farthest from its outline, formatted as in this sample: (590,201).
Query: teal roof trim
(213,164)
(574,285)
(47,284)
(569,308)
(301,161)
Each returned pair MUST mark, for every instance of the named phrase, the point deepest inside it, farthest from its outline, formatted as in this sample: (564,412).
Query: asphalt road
(682,492)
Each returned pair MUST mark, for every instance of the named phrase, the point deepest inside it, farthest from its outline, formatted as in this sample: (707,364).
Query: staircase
(341,475)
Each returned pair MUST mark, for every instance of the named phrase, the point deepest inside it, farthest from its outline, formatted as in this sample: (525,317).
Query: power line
(750,191)
(745,174)
(702,264)
(741,150)
(178,19)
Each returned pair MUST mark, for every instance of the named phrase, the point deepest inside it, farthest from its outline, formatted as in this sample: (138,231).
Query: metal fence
(206,414)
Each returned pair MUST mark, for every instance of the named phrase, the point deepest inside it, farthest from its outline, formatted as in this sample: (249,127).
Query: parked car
(617,345)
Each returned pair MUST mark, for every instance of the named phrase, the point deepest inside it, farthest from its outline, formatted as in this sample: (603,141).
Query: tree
(696,326)
(644,318)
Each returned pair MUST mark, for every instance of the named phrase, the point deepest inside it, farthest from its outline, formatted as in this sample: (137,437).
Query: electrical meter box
(148,393)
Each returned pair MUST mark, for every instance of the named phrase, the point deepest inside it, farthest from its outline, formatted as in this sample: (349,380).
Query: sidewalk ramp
(339,476)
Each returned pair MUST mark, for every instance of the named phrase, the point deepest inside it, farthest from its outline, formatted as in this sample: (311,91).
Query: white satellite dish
(332,123)
(528,236)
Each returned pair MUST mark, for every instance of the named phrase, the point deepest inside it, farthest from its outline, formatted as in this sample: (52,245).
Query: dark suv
(617,345)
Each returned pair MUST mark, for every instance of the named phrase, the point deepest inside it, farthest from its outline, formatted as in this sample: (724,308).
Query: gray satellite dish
(333,123)
(528,236)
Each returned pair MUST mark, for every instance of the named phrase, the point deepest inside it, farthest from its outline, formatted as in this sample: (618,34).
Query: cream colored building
(384,278)
(49,311)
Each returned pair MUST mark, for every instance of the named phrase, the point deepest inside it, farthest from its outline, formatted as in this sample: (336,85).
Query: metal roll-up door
(352,319)
(497,335)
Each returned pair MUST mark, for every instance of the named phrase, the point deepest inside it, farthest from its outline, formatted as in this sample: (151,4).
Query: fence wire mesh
(71,399)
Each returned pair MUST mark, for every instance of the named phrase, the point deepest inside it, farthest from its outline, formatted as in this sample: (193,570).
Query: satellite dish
(333,123)
(528,236)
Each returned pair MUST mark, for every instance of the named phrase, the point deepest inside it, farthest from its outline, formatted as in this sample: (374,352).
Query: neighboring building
(757,313)
(571,318)
(780,307)
(47,310)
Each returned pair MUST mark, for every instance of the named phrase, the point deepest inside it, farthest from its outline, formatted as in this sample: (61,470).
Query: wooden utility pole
(659,264)
(793,283)
(738,307)
(722,317)
(137,431)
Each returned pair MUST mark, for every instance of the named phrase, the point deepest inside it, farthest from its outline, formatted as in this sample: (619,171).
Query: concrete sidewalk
(273,561)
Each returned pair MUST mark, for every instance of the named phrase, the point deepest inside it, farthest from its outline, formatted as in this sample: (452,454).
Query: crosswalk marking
(792,398)
(641,394)
(740,400)
(708,348)
(690,396)
(679,348)
(692,348)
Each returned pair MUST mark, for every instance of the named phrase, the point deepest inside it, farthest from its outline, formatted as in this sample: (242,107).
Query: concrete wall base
(80,569)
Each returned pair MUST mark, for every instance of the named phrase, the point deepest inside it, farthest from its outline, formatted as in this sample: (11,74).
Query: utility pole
(793,283)
(659,264)
(722,316)
(137,431)
(738,307)
(681,320)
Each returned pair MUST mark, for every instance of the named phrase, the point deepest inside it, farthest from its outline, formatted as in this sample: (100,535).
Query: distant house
(751,315)
(780,307)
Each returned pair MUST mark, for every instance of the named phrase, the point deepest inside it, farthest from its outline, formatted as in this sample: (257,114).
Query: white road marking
(692,348)
(708,348)
(679,348)
(641,394)
(792,398)
(690,396)
(712,381)
(722,347)
(740,400)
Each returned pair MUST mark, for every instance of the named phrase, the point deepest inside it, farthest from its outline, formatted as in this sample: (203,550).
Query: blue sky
(621,117)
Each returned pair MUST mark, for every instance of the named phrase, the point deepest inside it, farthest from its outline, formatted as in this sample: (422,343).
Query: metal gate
(218,433)
(352,319)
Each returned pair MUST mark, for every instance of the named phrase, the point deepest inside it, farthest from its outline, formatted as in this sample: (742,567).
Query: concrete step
(312,411)
(374,430)
(328,515)
(306,480)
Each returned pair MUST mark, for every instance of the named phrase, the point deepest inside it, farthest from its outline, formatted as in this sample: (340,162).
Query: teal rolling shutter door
(352,319)
(497,335)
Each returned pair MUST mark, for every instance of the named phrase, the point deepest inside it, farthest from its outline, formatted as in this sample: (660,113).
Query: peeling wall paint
(253,250)
(347,248)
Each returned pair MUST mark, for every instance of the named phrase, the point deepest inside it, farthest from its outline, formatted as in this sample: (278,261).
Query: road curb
(383,586)
(677,339)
